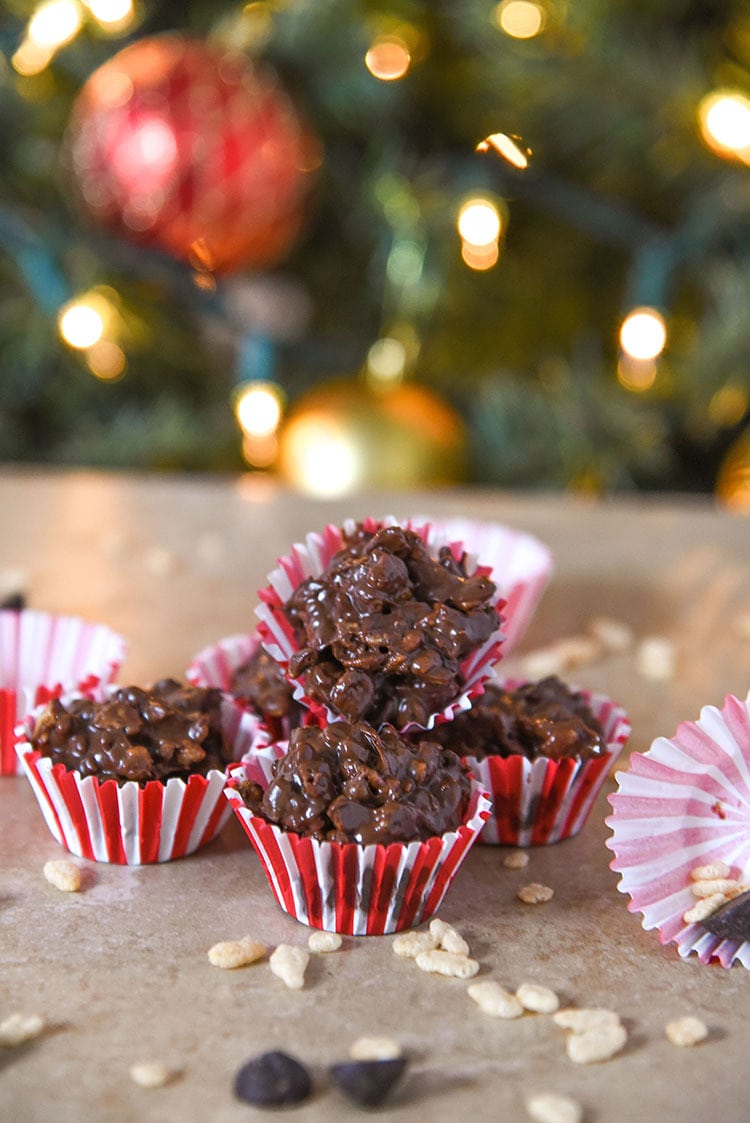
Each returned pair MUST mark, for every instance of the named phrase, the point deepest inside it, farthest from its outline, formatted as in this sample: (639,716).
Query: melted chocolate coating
(543,719)
(383,630)
(732,920)
(261,684)
(349,783)
(169,730)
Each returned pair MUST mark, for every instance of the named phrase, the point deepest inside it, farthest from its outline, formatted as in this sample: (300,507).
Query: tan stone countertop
(120,970)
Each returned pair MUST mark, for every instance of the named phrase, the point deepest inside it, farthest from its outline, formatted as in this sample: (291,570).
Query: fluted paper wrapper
(685,803)
(128,824)
(543,801)
(347,888)
(520,565)
(42,655)
(309,560)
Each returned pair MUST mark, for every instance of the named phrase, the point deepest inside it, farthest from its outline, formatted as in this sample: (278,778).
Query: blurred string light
(87,323)
(258,407)
(480,225)
(320,457)
(389,58)
(511,148)
(637,375)
(643,334)
(106,360)
(724,120)
(521,19)
(81,324)
(112,15)
(386,363)
(54,23)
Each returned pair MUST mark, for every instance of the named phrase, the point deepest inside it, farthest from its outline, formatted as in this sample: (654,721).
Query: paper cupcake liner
(348,888)
(684,803)
(544,801)
(42,655)
(520,565)
(309,560)
(129,824)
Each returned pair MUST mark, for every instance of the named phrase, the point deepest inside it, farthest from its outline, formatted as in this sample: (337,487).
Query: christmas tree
(356,243)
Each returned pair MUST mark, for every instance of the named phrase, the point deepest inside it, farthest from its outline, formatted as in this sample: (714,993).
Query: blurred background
(357,243)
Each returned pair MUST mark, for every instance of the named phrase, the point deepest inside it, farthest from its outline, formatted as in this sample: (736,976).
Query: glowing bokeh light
(724,119)
(258,408)
(480,258)
(386,361)
(511,148)
(388,58)
(106,360)
(728,405)
(31,59)
(637,375)
(113,15)
(55,23)
(479,222)
(144,159)
(521,19)
(81,324)
(260,451)
(643,334)
(320,457)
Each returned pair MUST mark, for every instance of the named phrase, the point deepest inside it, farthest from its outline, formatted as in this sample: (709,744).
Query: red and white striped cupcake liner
(685,803)
(42,655)
(345,887)
(520,565)
(128,824)
(544,801)
(309,560)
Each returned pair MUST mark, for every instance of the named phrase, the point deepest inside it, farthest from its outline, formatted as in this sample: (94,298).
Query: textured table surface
(120,970)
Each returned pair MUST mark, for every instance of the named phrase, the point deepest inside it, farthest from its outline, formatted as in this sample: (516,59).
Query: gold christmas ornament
(733,481)
(345,436)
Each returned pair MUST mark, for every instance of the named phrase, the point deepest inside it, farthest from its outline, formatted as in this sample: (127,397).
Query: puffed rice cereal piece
(375,1049)
(289,963)
(516,860)
(236,953)
(323,942)
(448,938)
(18,1028)
(614,635)
(151,1074)
(703,908)
(598,1044)
(686,1031)
(64,875)
(539,999)
(495,1000)
(441,962)
(549,1107)
(535,894)
(655,658)
(710,871)
(411,944)
(586,1018)
(727,886)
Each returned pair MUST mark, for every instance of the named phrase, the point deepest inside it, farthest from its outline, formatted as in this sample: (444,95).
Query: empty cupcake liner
(345,887)
(309,560)
(544,801)
(520,565)
(42,655)
(128,824)
(685,803)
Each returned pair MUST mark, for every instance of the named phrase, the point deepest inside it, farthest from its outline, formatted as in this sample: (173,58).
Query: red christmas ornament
(194,150)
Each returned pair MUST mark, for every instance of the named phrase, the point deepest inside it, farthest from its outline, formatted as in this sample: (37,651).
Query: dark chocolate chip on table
(272,1079)
(367,1083)
(732,920)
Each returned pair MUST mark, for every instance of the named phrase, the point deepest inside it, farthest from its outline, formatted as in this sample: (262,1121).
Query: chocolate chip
(732,920)
(272,1079)
(15,602)
(367,1082)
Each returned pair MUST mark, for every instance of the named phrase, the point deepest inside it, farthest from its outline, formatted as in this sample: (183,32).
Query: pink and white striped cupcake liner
(520,566)
(42,655)
(309,560)
(685,803)
(128,824)
(543,801)
(344,887)
(215,665)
